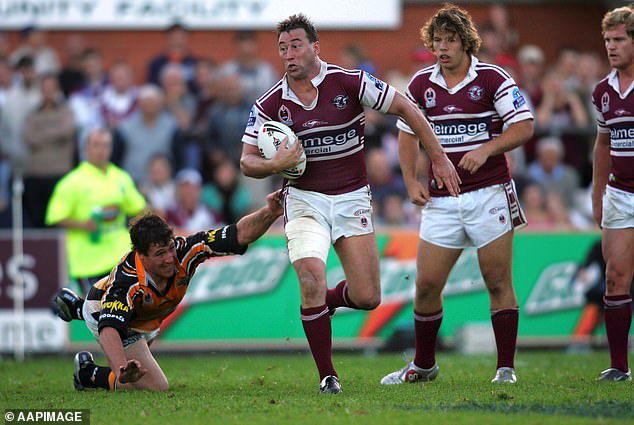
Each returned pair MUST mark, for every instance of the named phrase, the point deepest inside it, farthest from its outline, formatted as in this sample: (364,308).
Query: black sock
(93,376)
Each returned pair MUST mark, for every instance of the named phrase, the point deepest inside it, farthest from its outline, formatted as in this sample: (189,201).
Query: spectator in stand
(92,203)
(225,194)
(189,214)
(71,76)
(49,135)
(178,100)
(544,211)
(561,111)
(6,79)
(501,23)
(159,188)
(530,60)
(148,131)
(354,56)
(567,65)
(384,181)
(45,59)
(119,99)
(177,53)
(551,173)
(86,103)
(227,118)
(23,97)
(257,75)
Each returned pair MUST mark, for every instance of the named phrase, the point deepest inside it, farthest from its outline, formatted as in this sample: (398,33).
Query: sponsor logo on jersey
(452,109)
(620,112)
(496,210)
(605,103)
(251,120)
(284,114)
(340,101)
(362,211)
(377,83)
(211,235)
(330,143)
(314,123)
(475,92)
(111,316)
(113,306)
(622,138)
(459,128)
(518,98)
(430,98)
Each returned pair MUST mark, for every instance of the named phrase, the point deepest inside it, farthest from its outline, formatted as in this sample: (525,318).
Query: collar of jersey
(437,78)
(288,94)
(613,81)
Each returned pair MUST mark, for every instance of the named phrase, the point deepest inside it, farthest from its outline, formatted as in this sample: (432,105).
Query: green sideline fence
(254,299)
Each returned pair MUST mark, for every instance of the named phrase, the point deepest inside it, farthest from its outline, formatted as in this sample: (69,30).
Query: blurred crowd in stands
(177,130)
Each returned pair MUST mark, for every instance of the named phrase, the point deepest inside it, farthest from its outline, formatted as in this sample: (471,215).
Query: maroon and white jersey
(468,115)
(331,128)
(615,115)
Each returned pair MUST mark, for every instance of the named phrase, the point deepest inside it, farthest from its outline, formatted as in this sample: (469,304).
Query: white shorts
(618,209)
(472,219)
(91,307)
(343,215)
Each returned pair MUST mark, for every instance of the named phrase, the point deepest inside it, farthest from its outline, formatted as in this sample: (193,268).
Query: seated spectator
(159,188)
(551,173)
(190,215)
(225,194)
(544,211)
(384,181)
(118,100)
(148,131)
(256,74)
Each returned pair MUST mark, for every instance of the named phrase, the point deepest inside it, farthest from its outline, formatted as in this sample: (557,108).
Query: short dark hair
(299,21)
(149,229)
(453,19)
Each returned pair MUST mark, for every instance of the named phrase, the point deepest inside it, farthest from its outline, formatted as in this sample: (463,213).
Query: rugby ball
(270,138)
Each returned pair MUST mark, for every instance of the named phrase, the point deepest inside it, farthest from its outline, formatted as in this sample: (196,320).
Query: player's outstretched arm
(125,370)
(444,171)
(252,226)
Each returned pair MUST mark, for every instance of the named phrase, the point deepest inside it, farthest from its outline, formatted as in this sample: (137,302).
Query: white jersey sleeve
(510,103)
(375,93)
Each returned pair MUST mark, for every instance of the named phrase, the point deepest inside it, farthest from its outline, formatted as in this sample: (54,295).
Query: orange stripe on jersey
(193,251)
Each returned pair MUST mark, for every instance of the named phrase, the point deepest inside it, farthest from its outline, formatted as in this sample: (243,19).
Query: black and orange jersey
(130,299)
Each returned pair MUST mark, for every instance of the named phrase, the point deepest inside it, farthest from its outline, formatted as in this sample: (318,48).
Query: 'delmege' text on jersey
(468,115)
(615,115)
(331,128)
(130,299)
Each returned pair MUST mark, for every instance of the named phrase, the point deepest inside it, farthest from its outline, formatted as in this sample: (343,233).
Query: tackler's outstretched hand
(132,371)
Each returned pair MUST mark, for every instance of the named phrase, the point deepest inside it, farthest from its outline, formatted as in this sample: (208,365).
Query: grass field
(553,388)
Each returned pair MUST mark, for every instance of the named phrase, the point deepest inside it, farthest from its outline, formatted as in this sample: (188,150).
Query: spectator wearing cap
(176,52)
(256,74)
(190,215)
(33,44)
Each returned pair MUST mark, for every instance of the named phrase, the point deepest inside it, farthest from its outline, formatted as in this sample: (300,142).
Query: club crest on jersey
(340,101)
(605,103)
(284,114)
(475,92)
(430,98)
